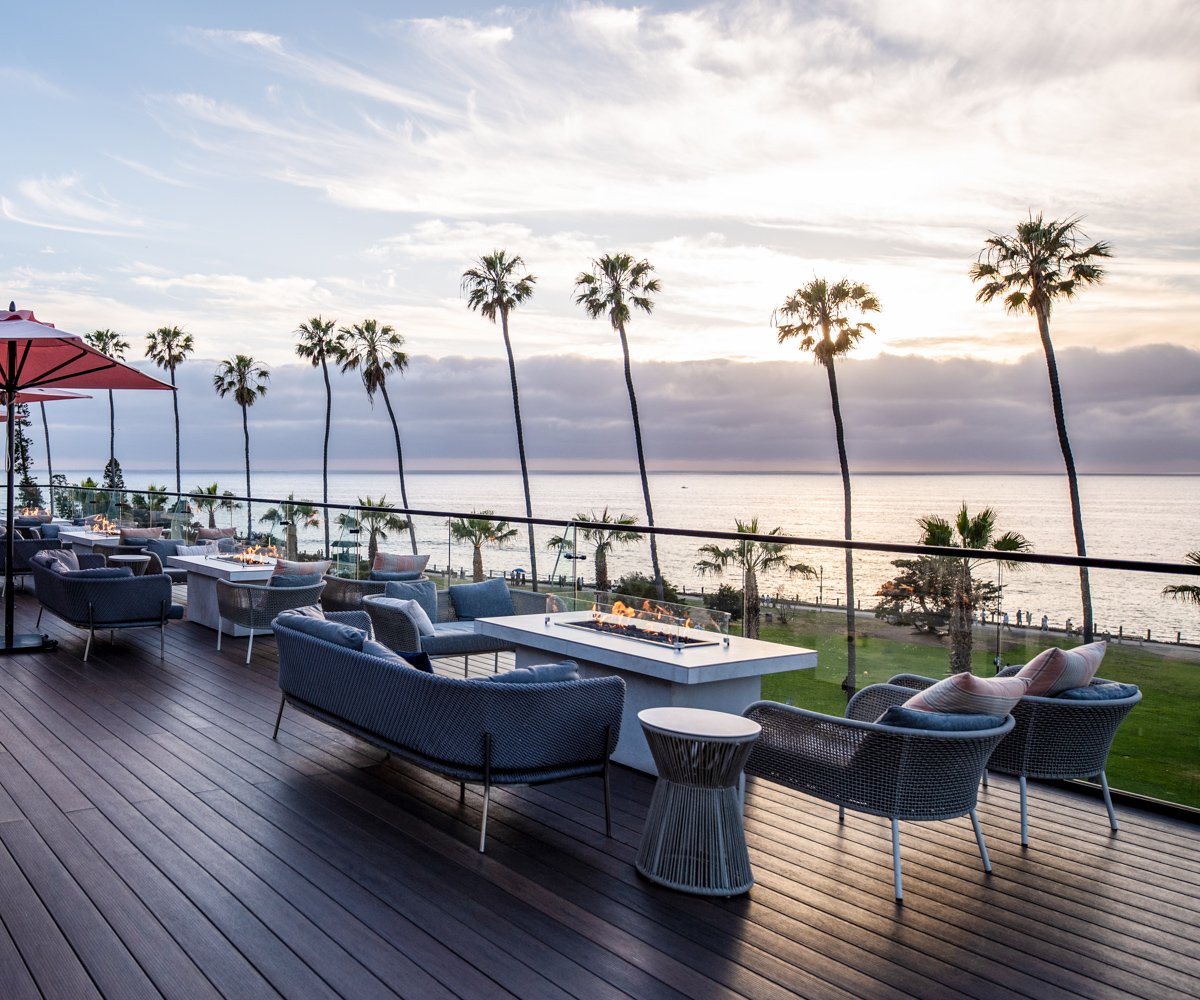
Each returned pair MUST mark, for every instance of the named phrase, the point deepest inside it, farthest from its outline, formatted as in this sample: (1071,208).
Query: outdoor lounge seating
(1054,738)
(344,593)
(97,598)
(254,606)
(452,635)
(884,770)
(24,549)
(472,731)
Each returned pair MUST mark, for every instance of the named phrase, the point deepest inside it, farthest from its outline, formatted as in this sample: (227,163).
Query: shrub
(640,585)
(725,598)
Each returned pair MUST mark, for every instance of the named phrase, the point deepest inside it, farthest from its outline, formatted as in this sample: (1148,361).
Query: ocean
(1127,517)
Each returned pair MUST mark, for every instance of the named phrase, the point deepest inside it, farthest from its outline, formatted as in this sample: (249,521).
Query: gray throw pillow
(489,599)
(541,673)
(289,580)
(943,722)
(320,628)
(424,592)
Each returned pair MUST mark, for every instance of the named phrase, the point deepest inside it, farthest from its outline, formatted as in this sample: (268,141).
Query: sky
(235,169)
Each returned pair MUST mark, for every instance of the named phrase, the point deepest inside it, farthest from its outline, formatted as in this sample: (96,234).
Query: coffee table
(137,563)
(693,839)
(203,572)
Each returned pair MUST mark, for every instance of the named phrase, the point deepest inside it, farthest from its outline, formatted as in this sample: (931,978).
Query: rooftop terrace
(154,841)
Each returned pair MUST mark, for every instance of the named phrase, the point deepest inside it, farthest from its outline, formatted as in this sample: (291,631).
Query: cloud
(63,203)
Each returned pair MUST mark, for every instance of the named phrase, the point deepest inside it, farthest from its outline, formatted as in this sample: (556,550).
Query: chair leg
(1024,811)
(896,877)
(278,717)
(38,623)
(87,649)
(220,627)
(1108,803)
(841,814)
(249,645)
(607,803)
(466,663)
(487,797)
(462,792)
(162,641)
(985,778)
(987,862)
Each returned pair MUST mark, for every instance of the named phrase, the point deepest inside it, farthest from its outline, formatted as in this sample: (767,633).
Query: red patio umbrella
(34,355)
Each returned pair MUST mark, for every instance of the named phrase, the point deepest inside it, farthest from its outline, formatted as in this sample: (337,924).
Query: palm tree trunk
(249,508)
(325,453)
(961,625)
(753,609)
(412,531)
(477,564)
(601,564)
(178,466)
(512,377)
(112,431)
(1060,423)
(641,456)
(851,681)
(49,464)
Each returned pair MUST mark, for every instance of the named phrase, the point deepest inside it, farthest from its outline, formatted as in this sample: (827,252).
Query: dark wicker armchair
(254,606)
(903,774)
(1054,739)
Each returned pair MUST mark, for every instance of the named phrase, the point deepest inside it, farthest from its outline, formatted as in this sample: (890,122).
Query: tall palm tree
(601,540)
(374,516)
(246,379)
(967,532)
(49,463)
(114,345)
(752,558)
(1040,263)
(819,314)
(168,347)
(1185,591)
(375,351)
(496,286)
(614,283)
(481,530)
(319,344)
(291,514)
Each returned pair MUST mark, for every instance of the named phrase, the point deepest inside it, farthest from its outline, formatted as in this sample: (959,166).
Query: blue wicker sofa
(472,731)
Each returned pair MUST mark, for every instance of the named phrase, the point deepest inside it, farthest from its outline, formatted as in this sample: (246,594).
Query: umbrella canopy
(44,396)
(36,356)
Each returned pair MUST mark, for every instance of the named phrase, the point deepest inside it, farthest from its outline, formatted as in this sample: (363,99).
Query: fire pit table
(718,672)
(203,572)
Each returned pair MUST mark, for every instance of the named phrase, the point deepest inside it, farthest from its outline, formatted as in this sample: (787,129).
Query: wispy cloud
(65,204)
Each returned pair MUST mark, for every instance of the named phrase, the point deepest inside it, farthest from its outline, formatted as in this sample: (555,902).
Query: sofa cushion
(215,533)
(410,607)
(290,580)
(1054,670)
(971,694)
(422,591)
(131,536)
(384,575)
(99,573)
(302,568)
(207,549)
(66,558)
(946,722)
(1104,691)
(459,639)
(50,530)
(396,562)
(489,599)
(164,548)
(540,673)
(321,628)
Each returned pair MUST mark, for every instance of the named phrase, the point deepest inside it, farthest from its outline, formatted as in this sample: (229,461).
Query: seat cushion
(489,599)
(1055,670)
(290,580)
(424,592)
(946,722)
(396,562)
(459,639)
(1104,691)
(539,673)
(321,628)
(970,694)
(99,573)
(411,608)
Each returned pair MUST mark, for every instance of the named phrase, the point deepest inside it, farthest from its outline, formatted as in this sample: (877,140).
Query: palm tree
(291,514)
(819,314)
(967,532)
(373,515)
(168,347)
(481,530)
(614,282)
(753,558)
(49,462)
(206,498)
(1042,262)
(602,540)
(114,346)
(376,351)
(493,287)
(319,344)
(247,380)
(1185,591)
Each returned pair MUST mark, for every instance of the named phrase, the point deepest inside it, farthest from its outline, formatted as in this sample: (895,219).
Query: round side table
(136,563)
(693,839)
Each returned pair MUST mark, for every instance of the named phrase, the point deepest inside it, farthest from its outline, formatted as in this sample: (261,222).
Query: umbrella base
(30,642)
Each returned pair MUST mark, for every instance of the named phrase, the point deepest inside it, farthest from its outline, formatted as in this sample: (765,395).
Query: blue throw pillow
(418,661)
(424,592)
(1104,691)
(321,628)
(292,580)
(50,530)
(99,573)
(541,673)
(941,722)
(164,548)
(489,599)
(383,574)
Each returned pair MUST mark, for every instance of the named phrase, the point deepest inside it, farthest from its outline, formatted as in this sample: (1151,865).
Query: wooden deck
(154,841)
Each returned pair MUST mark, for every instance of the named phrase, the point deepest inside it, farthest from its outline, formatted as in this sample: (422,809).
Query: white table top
(222,569)
(85,537)
(699,723)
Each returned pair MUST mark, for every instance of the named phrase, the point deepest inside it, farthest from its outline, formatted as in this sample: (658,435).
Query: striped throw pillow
(970,694)
(1055,670)
(396,562)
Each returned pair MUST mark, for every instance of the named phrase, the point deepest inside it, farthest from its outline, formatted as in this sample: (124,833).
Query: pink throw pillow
(970,694)
(1055,670)
(317,566)
(395,562)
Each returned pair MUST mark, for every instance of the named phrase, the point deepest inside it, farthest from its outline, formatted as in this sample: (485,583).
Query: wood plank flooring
(155,841)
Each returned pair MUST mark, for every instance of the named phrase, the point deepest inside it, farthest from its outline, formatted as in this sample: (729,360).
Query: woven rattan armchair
(343,593)
(254,606)
(903,774)
(1054,739)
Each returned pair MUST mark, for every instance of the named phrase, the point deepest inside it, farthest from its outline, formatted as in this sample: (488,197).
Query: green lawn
(1157,751)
